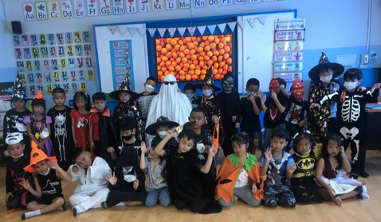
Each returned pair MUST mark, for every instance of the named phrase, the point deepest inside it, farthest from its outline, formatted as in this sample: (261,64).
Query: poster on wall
(121,62)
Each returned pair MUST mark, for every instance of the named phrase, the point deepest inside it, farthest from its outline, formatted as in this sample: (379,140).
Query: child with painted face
(240,175)
(274,108)
(159,130)
(102,133)
(303,183)
(350,116)
(183,173)
(333,165)
(48,190)
(229,109)
(16,194)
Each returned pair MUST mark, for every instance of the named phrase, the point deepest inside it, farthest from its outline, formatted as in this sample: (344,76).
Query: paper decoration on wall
(232,26)
(121,62)
(41,11)
(170,5)
(152,31)
(79,9)
(92,8)
(118,7)
(251,22)
(262,19)
(54,10)
(181,30)
(199,4)
(122,29)
(158,5)
(162,31)
(113,29)
(201,29)
(191,30)
(211,28)
(105,7)
(29,11)
(222,27)
(144,6)
(66,9)
(131,6)
(142,31)
(171,31)
(132,31)
(184,4)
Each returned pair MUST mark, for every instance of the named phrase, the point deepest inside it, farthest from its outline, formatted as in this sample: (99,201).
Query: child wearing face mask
(144,101)
(102,133)
(322,121)
(228,110)
(189,91)
(350,116)
(159,130)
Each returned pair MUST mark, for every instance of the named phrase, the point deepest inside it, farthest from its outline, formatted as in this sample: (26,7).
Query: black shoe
(23,216)
(74,212)
(104,205)
(365,174)
(64,207)
(354,176)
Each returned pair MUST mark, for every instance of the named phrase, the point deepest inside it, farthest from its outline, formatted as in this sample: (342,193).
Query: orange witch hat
(37,155)
(39,95)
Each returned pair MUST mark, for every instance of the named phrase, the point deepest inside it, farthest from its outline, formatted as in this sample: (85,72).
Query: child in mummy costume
(350,117)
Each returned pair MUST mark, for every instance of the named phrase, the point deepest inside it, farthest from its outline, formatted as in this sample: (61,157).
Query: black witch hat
(124,87)
(208,80)
(19,91)
(325,63)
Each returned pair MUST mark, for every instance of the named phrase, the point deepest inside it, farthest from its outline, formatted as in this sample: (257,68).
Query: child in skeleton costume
(16,194)
(207,102)
(295,117)
(350,116)
(303,183)
(80,120)
(48,189)
(279,167)
(91,173)
(145,99)
(323,120)
(38,125)
(274,109)
(128,107)
(13,118)
(61,136)
(227,103)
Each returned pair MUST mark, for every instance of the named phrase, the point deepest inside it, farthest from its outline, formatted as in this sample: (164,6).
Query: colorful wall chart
(49,60)
(121,62)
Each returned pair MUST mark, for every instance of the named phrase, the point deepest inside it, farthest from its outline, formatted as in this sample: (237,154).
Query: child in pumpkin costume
(239,175)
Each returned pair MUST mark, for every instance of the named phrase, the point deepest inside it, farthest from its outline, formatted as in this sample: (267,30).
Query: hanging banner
(288,66)
(184,4)
(54,12)
(41,11)
(289,35)
(288,56)
(191,30)
(201,29)
(29,12)
(298,23)
(222,27)
(105,7)
(79,9)
(171,31)
(142,31)
(66,9)
(288,46)
(92,8)
(181,30)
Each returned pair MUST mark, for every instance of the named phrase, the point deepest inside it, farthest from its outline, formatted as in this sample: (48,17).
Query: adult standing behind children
(324,119)
(128,107)
(61,134)
(13,118)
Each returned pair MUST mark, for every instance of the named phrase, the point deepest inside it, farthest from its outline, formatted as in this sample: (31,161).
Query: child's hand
(6,153)
(251,98)
(331,192)
(111,178)
(53,165)
(110,150)
(291,152)
(75,169)
(136,184)
(143,147)
(40,145)
(361,88)
(274,96)
(260,95)
(315,105)
(215,119)
(292,168)
(237,125)
(234,118)
(8,195)
(170,132)
(268,154)
(25,184)
(211,150)
(158,181)
(342,151)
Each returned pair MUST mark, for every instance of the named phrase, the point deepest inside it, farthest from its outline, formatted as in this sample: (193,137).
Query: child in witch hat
(38,125)
(159,129)
(128,106)
(13,118)
(48,190)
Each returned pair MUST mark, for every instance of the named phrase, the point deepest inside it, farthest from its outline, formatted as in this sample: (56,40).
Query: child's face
(124,97)
(153,154)
(19,104)
(125,132)
(185,145)
(204,87)
(303,146)
(278,143)
(84,160)
(189,93)
(326,72)
(162,128)
(37,109)
(239,149)
(252,90)
(41,167)
(198,118)
(151,83)
(59,99)
(16,149)
(333,148)
(80,102)
(99,104)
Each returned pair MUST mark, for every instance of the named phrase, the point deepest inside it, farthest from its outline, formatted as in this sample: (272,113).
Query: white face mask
(100,108)
(149,88)
(326,79)
(350,85)
(16,157)
(162,134)
(207,92)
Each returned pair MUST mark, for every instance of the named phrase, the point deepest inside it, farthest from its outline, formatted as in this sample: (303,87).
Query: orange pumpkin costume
(229,172)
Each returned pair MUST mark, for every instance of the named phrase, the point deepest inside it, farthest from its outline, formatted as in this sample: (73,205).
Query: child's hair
(127,124)
(189,134)
(353,73)
(324,149)
(198,110)
(280,134)
(281,81)
(58,90)
(77,152)
(190,86)
(252,82)
(99,96)
(242,138)
(152,79)
(85,96)
(38,102)
(302,136)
